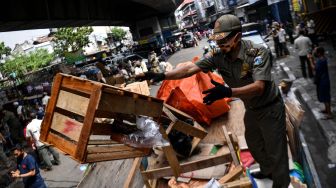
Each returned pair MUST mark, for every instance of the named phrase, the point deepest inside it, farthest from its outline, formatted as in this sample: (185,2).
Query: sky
(14,37)
(18,37)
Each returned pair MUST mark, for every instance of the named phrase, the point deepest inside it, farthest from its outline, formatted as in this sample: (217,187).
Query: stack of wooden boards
(84,119)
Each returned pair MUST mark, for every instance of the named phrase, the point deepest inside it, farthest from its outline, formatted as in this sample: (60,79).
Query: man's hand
(152,76)
(15,174)
(218,92)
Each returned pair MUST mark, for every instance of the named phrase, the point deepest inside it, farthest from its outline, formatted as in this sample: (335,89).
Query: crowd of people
(20,128)
(313,62)
(123,70)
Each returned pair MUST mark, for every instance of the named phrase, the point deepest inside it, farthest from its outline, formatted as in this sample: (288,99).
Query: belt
(276,100)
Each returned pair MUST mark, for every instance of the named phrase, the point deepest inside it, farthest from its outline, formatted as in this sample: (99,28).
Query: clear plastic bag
(148,135)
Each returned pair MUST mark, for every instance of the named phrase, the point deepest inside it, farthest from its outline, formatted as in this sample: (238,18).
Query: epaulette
(253,52)
(215,51)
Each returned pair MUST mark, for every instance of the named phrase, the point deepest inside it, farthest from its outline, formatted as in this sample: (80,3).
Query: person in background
(300,27)
(15,128)
(311,32)
(275,36)
(45,99)
(20,111)
(154,62)
(322,80)
(33,134)
(3,158)
(138,70)
(39,110)
(282,40)
(304,45)
(28,169)
(289,31)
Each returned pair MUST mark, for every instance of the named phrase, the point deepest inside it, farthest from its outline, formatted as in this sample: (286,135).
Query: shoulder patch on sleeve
(252,52)
(257,60)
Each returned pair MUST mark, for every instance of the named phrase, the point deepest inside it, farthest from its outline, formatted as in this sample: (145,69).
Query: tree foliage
(4,50)
(71,39)
(118,33)
(22,64)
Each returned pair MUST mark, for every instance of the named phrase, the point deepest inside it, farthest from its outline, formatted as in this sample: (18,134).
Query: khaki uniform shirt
(253,63)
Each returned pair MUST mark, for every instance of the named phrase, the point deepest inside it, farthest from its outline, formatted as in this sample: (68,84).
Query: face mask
(227,48)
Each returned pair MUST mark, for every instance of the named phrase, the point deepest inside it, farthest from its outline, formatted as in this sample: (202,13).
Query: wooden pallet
(72,123)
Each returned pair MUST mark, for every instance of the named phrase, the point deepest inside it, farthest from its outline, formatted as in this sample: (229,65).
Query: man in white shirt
(33,134)
(138,70)
(45,99)
(282,40)
(304,45)
(19,111)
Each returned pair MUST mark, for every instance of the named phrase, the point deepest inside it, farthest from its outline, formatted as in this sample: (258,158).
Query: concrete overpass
(38,14)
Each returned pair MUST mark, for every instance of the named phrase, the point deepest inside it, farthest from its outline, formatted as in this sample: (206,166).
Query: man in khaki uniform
(246,68)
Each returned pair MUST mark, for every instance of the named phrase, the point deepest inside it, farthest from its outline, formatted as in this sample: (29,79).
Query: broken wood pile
(89,121)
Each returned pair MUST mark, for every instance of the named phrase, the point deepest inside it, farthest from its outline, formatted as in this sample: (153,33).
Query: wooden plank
(170,115)
(194,144)
(189,129)
(138,87)
(235,118)
(66,126)
(242,183)
(76,92)
(115,148)
(188,166)
(170,155)
(232,150)
(101,142)
(196,130)
(97,157)
(234,140)
(121,91)
(71,102)
(196,141)
(177,111)
(170,127)
(76,83)
(129,105)
(46,123)
(62,144)
(135,166)
(234,174)
(88,122)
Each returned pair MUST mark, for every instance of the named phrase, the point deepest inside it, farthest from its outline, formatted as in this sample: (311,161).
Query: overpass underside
(38,14)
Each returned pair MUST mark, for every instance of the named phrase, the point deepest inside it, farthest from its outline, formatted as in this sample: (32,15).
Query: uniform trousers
(265,133)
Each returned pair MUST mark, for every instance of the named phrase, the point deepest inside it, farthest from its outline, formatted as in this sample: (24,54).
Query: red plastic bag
(186,95)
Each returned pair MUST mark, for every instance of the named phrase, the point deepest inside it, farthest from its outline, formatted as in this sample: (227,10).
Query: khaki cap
(224,25)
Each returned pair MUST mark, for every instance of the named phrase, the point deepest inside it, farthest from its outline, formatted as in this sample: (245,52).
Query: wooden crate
(177,121)
(72,121)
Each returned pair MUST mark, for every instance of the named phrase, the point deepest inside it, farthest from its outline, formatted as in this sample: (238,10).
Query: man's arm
(251,90)
(184,71)
(17,174)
